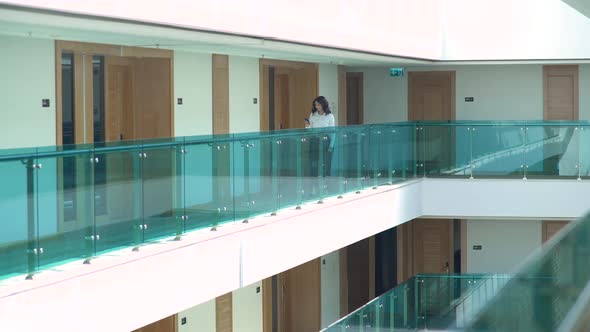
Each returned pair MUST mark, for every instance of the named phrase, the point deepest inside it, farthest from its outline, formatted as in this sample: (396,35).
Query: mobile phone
(306,120)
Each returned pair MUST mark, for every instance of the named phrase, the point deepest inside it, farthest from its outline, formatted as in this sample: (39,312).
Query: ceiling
(36,23)
(48,25)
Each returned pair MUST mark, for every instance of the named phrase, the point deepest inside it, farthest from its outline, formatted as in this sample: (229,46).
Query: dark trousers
(314,157)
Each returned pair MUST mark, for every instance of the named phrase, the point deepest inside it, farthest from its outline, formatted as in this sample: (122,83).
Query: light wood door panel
(431,96)
(220,94)
(295,87)
(432,246)
(300,298)
(560,90)
(119,112)
(224,313)
(153,97)
(550,228)
(354,99)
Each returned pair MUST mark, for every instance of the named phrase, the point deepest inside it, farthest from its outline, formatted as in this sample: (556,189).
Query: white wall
(385,97)
(244,86)
(247,308)
(193,83)
(508,92)
(328,85)
(504,198)
(246,312)
(501,92)
(200,318)
(505,244)
(27,75)
(330,285)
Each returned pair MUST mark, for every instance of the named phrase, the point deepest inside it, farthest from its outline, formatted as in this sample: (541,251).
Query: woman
(321,117)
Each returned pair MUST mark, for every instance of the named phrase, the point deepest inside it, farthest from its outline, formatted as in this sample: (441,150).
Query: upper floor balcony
(75,204)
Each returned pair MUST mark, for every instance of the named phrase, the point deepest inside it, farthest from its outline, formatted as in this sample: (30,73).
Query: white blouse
(320,121)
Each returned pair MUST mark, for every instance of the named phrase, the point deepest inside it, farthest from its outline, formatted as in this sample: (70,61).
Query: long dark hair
(322,101)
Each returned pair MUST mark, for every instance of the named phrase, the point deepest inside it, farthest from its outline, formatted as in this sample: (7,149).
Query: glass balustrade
(74,202)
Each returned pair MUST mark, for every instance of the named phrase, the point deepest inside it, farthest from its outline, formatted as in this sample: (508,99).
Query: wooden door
(360,275)
(304,89)
(153,119)
(221,121)
(431,97)
(119,125)
(354,98)
(433,254)
(167,324)
(119,110)
(290,87)
(560,102)
(550,228)
(300,298)
(220,70)
(282,100)
(153,98)
(224,313)
(357,259)
(560,92)
(432,246)
(295,81)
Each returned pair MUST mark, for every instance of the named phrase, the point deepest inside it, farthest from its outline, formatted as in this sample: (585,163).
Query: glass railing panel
(208,187)
(356,163)
(381,155)
(435,296)
(337,180)
(584,152)
(333,178)
(160,178)
(179,189)
(18,213)
(66,206)
(498,151)
(449,300)
(553,151)
(480,290)
(392,311)
(345,154)
(439,154)
(314,187)
(425,302)
(540,296)
(244,172)
(404,162)
(118,196)
(462,135)
(268,192)
(290,172)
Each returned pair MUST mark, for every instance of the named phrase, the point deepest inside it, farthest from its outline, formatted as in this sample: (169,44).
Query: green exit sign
(396,72)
